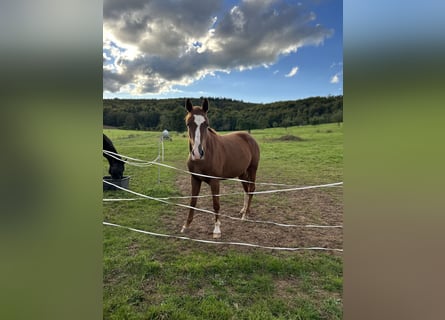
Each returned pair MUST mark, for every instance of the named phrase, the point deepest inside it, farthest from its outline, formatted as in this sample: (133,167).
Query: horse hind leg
(245,208)
(248,188)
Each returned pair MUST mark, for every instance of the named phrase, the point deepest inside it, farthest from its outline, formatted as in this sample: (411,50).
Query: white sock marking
(217,230)
(246,199)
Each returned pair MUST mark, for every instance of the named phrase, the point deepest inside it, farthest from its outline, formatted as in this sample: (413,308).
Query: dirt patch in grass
(133,248)
(314,206)
(289,137)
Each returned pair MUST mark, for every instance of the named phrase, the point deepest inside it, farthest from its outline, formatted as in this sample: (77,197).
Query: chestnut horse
(226,156)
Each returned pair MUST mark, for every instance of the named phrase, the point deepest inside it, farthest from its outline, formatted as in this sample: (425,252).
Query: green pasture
(146,277)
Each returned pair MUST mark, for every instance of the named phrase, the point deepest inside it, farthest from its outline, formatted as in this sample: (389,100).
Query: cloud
(292,72)
(336,64)
(336,77)
(151,46)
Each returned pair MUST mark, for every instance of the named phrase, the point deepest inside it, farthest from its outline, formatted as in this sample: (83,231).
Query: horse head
(116,169)
(197,124)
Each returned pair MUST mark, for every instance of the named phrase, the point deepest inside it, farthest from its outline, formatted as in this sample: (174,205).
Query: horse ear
(205,105)
(189,105)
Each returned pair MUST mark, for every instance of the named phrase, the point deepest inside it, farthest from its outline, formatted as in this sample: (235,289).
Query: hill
(224,114)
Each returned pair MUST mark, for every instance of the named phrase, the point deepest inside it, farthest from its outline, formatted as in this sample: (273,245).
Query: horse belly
(236,165)
(237,154)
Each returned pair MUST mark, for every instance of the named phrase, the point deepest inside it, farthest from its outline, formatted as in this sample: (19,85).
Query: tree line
(224,114)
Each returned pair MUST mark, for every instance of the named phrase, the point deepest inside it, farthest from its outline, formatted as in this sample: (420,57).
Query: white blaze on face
(198,120)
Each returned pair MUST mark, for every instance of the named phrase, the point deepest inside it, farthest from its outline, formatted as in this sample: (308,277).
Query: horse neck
(111,158)
(211,140)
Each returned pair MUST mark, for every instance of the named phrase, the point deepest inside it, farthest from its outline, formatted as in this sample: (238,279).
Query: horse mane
(108,146)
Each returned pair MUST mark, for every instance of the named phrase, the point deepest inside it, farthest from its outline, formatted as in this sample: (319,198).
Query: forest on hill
(224,114)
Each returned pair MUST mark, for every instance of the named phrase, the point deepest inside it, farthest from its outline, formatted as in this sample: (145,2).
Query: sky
(251,50)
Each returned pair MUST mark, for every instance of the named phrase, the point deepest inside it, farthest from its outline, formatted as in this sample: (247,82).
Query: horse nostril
(201,151)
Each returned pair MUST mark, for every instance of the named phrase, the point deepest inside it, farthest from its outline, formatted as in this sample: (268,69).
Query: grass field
(146,277)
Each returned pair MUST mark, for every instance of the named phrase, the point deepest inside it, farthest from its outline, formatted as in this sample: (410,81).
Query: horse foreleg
(214,186)
(196,187)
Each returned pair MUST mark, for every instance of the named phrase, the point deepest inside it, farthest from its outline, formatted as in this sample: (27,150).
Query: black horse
(116,166)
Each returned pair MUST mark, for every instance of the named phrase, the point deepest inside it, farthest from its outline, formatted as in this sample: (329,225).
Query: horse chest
(203,167)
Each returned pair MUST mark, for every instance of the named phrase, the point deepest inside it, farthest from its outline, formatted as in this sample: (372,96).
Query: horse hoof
(217,236)
(183,229)
(243,217)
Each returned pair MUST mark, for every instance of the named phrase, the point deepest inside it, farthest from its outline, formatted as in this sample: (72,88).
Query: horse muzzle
(195,153)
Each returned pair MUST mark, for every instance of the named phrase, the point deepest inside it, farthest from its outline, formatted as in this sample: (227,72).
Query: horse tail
(255,150)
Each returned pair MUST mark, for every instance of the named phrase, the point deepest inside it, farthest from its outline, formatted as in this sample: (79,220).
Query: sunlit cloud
(152,46)
(336,77)
(292,73)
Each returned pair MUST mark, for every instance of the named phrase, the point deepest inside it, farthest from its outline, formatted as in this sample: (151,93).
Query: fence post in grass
(161,153)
